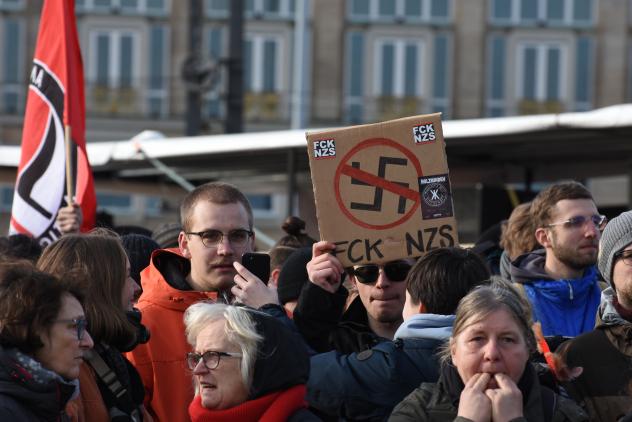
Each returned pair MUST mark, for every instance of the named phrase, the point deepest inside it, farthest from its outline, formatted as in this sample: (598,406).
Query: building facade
(361,61)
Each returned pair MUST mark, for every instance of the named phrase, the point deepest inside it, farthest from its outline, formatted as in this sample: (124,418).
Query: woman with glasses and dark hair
(43,339)
(111,388)
(246,366)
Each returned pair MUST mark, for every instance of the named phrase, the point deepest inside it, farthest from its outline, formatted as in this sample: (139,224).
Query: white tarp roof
(107,153)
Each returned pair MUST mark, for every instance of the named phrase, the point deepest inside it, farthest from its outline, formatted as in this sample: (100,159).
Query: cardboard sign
(382,190)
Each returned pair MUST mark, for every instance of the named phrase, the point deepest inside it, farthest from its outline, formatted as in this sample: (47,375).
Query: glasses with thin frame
(212,238)
(625,256)
(395,271)
(577,222)
(80,324)
(210,358)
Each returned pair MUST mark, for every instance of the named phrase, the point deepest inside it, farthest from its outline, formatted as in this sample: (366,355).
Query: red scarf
(273,407)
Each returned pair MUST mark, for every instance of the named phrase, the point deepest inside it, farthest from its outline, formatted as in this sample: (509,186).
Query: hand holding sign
(325,270)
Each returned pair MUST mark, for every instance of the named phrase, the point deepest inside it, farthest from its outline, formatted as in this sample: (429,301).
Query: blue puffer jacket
(367,385)
(564,307)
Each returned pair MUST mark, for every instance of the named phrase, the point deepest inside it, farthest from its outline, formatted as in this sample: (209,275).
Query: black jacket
(439,402)
(29,392)
(323,323)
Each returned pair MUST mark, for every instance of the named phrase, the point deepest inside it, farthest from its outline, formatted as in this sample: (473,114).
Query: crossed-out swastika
(352,169)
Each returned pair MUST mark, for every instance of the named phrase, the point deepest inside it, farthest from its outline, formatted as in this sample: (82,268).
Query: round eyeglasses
(210,358)
(212,238)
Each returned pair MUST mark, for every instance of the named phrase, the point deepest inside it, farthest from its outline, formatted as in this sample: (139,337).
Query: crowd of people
(171,327)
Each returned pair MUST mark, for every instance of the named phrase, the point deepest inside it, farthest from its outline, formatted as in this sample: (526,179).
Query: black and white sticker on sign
(424,133)
(436,197)
(324,148)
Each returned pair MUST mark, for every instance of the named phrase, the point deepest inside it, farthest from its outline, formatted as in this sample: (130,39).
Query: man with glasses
(217,229)
(373,316)
(605,354)
(367,385)
(561,280)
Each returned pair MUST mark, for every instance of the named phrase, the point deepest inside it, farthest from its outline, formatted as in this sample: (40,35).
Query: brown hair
(101,260)
(295,239)
(543,203)
(217,193)
(518,235)
(30,301)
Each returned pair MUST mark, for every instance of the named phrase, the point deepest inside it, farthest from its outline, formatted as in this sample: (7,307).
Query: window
(158,83)
(540,72)
(6,198)
(11,4)
(270,9)
(584,76)
(399,68)
(260,202)
(441,71)
(535,12)
(113,58)
(217,9)
(262,61)
(496,80)
(11,70)
(398,11)
(354,77)
(213,99)
(149,7)
(540,86)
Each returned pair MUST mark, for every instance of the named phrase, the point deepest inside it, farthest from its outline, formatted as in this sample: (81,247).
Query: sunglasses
(394,271)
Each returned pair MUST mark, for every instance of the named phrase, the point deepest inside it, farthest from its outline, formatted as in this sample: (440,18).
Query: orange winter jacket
(161,361)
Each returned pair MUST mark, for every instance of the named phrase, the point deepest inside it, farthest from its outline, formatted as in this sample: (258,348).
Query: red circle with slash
(345,169)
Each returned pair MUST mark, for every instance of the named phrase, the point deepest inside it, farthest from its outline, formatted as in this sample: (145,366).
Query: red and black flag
(55,101)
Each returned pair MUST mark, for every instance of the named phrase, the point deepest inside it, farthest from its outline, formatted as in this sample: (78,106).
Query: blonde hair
(483,301)
(240,329)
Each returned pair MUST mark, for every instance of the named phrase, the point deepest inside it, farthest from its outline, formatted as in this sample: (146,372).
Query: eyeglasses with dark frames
(625,256)
(598,220)
(210,358)
(395,271)
(212,238)
(80,324)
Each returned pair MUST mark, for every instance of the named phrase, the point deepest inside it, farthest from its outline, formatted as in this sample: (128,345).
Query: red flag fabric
(55,99)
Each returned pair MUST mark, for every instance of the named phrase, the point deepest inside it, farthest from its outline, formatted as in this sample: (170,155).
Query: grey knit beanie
(615,237)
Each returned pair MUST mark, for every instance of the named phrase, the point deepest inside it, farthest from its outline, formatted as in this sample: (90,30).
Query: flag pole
(69,179)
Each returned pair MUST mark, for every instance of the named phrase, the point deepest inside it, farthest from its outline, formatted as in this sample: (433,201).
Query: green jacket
(433,402)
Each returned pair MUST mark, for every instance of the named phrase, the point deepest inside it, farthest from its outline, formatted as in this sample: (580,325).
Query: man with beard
(561,280)
(217,225)
(373,316)
(605,354)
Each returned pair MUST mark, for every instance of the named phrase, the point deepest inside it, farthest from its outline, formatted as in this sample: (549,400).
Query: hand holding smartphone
(258,264)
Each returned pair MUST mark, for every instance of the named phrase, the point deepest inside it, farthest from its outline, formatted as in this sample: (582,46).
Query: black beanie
(293,275)
(139,248)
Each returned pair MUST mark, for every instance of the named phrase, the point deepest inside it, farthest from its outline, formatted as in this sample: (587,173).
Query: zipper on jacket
(570,289)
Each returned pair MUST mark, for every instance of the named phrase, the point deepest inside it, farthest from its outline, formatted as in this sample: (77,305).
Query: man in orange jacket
(217,228)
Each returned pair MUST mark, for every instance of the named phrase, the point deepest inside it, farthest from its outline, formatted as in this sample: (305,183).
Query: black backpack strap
(109,378)
(106,375)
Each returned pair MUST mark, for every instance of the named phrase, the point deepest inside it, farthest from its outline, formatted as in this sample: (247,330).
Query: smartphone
(258,264)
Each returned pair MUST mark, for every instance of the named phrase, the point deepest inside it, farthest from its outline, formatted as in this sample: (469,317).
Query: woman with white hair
(247,366)
(486,374)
